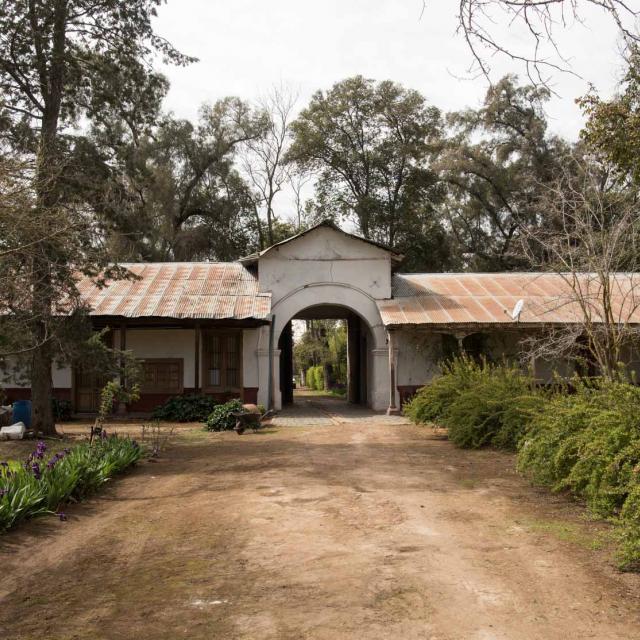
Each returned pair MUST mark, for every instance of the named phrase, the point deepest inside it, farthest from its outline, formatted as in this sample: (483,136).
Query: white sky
(246,47)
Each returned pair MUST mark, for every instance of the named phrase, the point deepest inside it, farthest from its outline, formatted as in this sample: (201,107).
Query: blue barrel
(22,412)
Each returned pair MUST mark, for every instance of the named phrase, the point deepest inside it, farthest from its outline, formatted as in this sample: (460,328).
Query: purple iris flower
(35,468)
(40,449)
(55,459)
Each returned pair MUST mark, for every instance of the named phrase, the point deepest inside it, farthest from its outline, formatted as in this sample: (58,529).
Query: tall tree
(263,158)
(496,163)
(370,145)
(190,201)
(62,61)
(612,129)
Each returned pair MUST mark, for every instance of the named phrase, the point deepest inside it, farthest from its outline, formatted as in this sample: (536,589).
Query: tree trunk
(48,167)
(327,376)
(42,388)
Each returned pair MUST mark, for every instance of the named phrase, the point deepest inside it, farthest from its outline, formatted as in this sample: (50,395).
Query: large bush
(315,378)
(193,408)
(480,404)
(584,439)
(588,442)
(222,418)
(43,483)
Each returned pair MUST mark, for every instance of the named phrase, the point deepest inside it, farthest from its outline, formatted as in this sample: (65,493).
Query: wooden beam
(197,359)
(122,407)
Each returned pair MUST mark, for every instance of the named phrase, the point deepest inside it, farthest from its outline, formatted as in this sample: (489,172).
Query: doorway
(324,352)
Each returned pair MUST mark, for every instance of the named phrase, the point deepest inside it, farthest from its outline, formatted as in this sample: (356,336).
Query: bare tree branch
(591,243)
(540,20)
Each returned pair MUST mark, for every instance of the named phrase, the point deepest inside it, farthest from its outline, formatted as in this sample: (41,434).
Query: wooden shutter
(162,375)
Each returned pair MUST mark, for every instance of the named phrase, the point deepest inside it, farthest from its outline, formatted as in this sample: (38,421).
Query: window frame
(223,387)
(150,390)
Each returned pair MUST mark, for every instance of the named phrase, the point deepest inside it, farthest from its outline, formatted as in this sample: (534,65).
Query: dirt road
(339,531)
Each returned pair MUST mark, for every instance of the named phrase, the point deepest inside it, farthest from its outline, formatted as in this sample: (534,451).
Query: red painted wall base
(147,402)
(15,393)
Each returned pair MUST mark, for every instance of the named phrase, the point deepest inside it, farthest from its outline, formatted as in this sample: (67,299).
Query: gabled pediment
(325,241)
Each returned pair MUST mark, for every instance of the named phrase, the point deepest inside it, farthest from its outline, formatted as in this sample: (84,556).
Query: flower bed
(44,483)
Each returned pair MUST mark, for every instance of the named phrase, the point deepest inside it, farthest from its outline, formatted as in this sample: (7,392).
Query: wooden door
(88,385)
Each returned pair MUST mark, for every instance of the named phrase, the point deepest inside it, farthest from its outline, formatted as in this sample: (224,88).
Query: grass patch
(567,532)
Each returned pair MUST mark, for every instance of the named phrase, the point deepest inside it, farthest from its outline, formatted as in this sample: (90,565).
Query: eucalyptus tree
(496,164)
(370,145)
(64,63)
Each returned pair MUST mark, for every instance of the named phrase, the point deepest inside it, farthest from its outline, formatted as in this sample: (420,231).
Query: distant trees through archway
(324,349)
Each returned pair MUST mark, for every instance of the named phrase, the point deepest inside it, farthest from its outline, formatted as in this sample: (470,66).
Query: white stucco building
(225,328)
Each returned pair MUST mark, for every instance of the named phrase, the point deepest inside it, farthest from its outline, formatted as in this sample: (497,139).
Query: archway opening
(336,361)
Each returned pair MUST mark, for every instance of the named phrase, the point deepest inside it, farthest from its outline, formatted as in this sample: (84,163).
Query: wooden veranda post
(122,407)
(196,359)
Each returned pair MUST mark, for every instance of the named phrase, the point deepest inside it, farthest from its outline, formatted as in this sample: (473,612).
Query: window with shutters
(162,375)
(221,361)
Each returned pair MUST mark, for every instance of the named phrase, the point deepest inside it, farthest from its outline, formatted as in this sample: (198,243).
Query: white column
(277,394)
(393,390)
(263,376)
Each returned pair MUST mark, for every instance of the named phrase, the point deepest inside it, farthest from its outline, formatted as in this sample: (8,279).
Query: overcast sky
(245,47)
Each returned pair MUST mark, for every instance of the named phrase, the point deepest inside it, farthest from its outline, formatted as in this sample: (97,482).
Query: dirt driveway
(350,530)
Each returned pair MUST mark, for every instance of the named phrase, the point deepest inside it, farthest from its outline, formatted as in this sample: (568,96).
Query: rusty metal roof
(191,290)
(490,298)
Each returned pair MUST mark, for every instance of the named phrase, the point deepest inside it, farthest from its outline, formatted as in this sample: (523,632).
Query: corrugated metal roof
(489,298)
(216,290)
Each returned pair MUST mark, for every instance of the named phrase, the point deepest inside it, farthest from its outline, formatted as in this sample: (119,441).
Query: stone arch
(358,302)
(333,294)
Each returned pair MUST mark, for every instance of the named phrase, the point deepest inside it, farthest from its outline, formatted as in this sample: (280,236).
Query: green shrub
(479,403)
(318,382)
(586,442)
(589,444)
(310,378)
(193,408)
(221,418)
(43,483)
(629,531)
(315,378)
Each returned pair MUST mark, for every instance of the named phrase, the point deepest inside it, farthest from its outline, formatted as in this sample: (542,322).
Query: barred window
(221,360)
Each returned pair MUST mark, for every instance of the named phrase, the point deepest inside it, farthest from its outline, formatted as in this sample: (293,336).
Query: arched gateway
(215,328)
(327,269)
